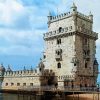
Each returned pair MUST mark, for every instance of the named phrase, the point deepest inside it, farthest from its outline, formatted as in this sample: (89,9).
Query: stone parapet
(68,30)
(20,73)
(69,14)
(57,33)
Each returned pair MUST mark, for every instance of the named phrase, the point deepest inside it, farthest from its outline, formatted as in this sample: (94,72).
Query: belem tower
(68,58)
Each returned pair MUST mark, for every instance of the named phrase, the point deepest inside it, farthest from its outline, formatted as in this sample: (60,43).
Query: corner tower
(2,71)
(70,48)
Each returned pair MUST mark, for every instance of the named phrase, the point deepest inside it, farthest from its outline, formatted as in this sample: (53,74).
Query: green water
(5,96)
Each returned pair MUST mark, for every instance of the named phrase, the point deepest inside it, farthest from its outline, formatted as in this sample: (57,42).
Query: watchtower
(70,48)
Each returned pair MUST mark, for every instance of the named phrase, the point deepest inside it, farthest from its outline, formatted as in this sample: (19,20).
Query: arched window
(59,65)
(58,41)
(58,53)
(60,29)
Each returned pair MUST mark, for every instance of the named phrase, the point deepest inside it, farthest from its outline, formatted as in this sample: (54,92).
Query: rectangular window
(6,84)
(85,65)
(31,84)
(12,84)
(18,84)
(74,64)
(24,84)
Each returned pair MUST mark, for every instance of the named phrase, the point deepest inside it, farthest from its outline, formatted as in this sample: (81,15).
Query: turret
(73,9)
(9,68)
(49,18)
(2,70)
(95,67)
(41,66)
(91,16)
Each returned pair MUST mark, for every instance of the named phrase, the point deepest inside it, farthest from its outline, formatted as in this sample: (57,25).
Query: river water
(5,96)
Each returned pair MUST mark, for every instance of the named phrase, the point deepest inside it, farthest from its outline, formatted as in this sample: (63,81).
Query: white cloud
(9,10)
(15,41)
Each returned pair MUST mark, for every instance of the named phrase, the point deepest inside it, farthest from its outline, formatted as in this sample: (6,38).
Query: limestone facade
(70,48)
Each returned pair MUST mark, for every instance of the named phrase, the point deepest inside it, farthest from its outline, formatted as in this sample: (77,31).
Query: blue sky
(23,22)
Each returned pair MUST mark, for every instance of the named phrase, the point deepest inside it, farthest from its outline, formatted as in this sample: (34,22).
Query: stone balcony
(87,32)
(69,31)
(58,57)
(57,33)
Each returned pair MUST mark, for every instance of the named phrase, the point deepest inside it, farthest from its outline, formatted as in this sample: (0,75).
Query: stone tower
(70,48)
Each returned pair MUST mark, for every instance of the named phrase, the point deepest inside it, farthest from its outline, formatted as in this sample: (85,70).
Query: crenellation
(69,14)
(84,16)
(20,73)
(59,17)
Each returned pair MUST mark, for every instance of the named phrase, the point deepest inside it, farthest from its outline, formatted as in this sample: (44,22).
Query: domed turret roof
(2,68)
(74,6)
(49,14)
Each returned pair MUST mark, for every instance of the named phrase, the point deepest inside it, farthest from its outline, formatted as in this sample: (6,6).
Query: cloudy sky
(23,22)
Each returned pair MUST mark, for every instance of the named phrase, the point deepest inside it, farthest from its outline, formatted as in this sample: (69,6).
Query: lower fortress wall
(17,80)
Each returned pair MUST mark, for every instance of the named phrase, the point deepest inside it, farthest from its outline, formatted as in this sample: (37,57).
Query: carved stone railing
(67,30)
(56,32)
(87,32)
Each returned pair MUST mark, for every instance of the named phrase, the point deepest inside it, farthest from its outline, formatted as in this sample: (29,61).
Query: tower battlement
(70,47)
(69,14)
(20,73)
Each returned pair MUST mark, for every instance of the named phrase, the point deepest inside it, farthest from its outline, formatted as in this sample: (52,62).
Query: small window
(44,56)
(73,9)
(70,27)
(58,53)
(80,85)
(6,84)
(74,64)
(85,41)
(18,84)
(40,69)
(88,52)
(58,41)
(60,29)
(31,84)
(12,84)
(85,85)
(59,65)
(85,65)
(24,84)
